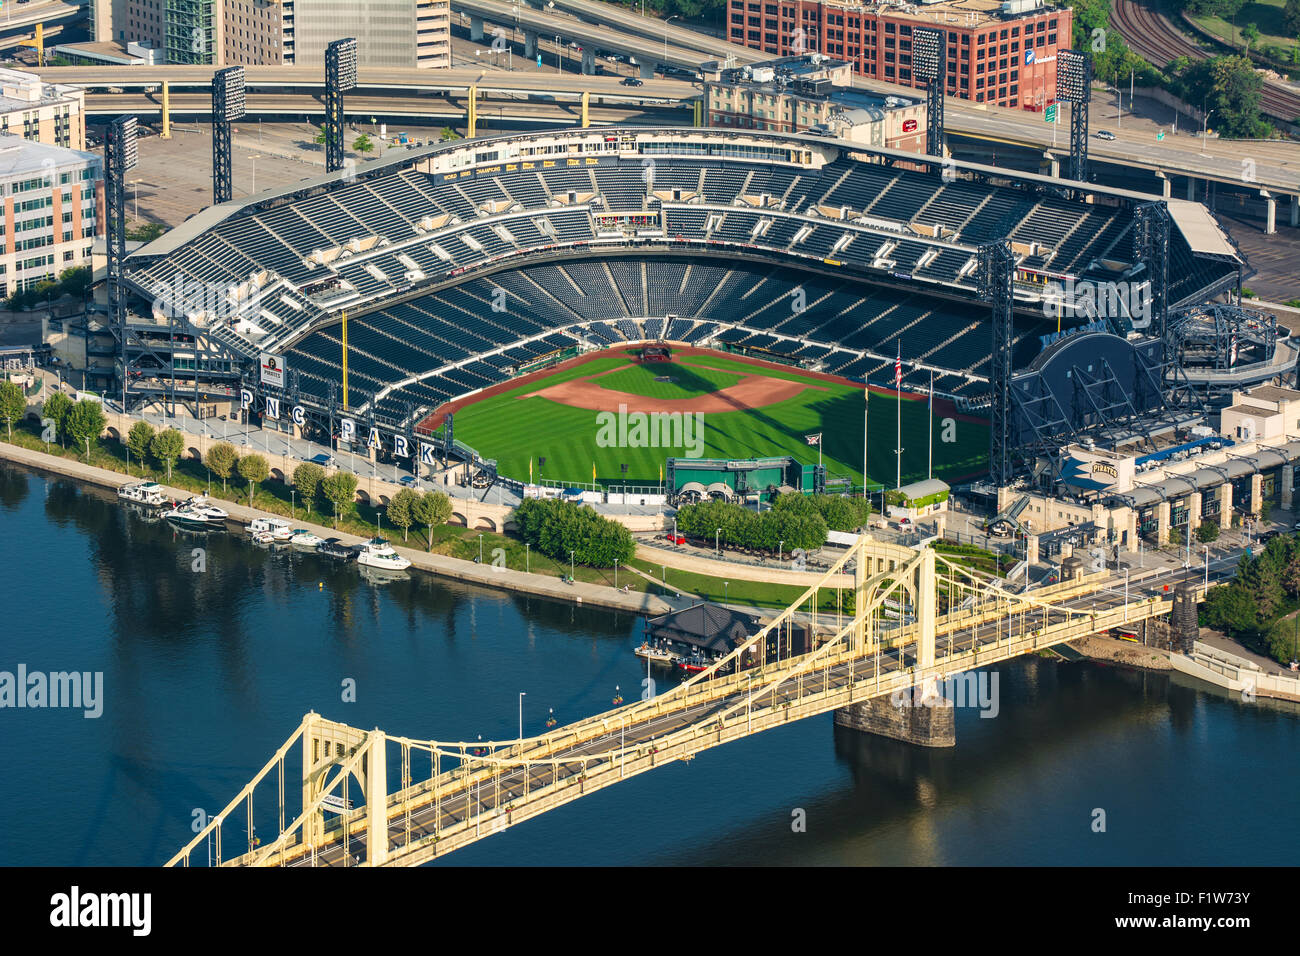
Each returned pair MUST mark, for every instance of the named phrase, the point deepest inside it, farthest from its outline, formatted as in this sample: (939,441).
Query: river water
(207,672)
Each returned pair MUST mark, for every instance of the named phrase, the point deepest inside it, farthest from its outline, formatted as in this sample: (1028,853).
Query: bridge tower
(325,745)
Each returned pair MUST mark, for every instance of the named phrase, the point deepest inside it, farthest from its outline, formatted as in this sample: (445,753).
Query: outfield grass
(512,429)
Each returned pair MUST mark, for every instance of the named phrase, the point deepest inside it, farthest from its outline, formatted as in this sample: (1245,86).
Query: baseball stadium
(758,283)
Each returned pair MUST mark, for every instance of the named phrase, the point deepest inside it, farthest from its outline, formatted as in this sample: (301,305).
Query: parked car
(675,539)
(632,81)
(324,460)
(408,481)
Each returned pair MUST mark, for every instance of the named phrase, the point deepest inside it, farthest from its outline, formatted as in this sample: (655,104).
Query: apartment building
(999,51)
(53,208)
(390,33)
(50,113)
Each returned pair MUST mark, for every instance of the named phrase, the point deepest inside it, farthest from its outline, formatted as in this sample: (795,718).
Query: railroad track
(1154,38)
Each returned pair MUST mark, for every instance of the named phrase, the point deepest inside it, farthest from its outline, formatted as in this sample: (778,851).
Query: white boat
(277,528)
(198,513)
(263,537)
(378,553)
(303,538)
(144,493)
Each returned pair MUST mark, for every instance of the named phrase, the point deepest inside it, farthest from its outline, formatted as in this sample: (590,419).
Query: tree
(1229,87)
(1291,17)
(138,439)
(319,138)
(253,469)
(1207,532)
(56,409)
(167,446)
(307,478)
(340,490)
(220,460)
(432,509)
(85,420)
(13,404)
(1249,33)
(362,144)
(400,514)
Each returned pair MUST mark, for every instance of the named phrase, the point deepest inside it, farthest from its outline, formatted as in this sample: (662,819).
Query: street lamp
(1205,125)
(779,546)
(559,50)
(1207,567)
(716,546)
(480,549)
(666,22)
(571,565)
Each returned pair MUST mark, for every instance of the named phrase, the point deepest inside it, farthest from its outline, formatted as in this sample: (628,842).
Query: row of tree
(75,423)
(786,526)
(564,530)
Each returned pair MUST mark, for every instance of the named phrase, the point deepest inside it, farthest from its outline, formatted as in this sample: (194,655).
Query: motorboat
(198,514)
(277,528)
(655,654)
(378,553)
(144,493)
(302,538)
(382,576)
(336,549)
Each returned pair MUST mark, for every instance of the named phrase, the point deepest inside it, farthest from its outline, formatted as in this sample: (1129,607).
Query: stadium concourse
(461,265)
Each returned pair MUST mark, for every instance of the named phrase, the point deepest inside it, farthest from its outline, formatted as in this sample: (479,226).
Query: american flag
(813,439)
(898,370)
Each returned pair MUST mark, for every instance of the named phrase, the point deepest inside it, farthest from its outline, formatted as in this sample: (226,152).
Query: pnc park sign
(400,444)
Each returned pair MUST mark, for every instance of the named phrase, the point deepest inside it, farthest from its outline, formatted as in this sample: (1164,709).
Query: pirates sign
(272,370)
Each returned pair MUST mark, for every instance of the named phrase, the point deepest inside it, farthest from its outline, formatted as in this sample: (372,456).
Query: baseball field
(605,410)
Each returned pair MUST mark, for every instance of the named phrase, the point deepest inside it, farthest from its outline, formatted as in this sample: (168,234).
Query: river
(206,672)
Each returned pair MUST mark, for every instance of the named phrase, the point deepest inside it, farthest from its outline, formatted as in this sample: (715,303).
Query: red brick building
(998,52)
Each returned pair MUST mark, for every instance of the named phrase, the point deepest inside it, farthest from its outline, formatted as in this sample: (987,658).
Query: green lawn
(1267,17)
(512,429)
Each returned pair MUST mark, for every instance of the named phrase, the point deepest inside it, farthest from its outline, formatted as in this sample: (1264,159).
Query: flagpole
(898,398)
(930,469)
(866,400)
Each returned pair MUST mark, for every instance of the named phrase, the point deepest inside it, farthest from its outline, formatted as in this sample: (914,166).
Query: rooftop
(1274,393)
(949,12)
(18,156)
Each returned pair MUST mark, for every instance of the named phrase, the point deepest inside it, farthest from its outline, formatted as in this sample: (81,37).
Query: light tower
(227,106)
(340,76)
(119,156)
(1074,86)
(929,63)
(997,266)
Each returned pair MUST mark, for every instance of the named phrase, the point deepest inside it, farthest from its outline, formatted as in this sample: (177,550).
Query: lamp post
(725,586)
(1205,125)
(292,510)
(779,546)
(480,549)
(559,50)
(666,22)
(717,535)
(1207,567)
(571,565)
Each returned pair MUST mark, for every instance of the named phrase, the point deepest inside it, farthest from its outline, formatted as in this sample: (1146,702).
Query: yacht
(198,514)
(303,538)
(378,553)
(273,529)
(144,493)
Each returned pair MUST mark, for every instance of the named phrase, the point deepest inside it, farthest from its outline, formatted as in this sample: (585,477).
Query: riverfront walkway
(580,592)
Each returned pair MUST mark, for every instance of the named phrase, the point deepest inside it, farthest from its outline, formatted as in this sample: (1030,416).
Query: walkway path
(470,572)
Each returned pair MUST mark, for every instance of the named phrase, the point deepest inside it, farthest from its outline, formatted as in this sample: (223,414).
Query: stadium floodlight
(1073,76)
(929,52)
(343,70)
(125,132)
(228,93)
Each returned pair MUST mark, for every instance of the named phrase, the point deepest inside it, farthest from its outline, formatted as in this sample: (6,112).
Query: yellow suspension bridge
(917,619)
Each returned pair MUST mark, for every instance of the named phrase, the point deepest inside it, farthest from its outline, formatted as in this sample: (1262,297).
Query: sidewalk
(579,592)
